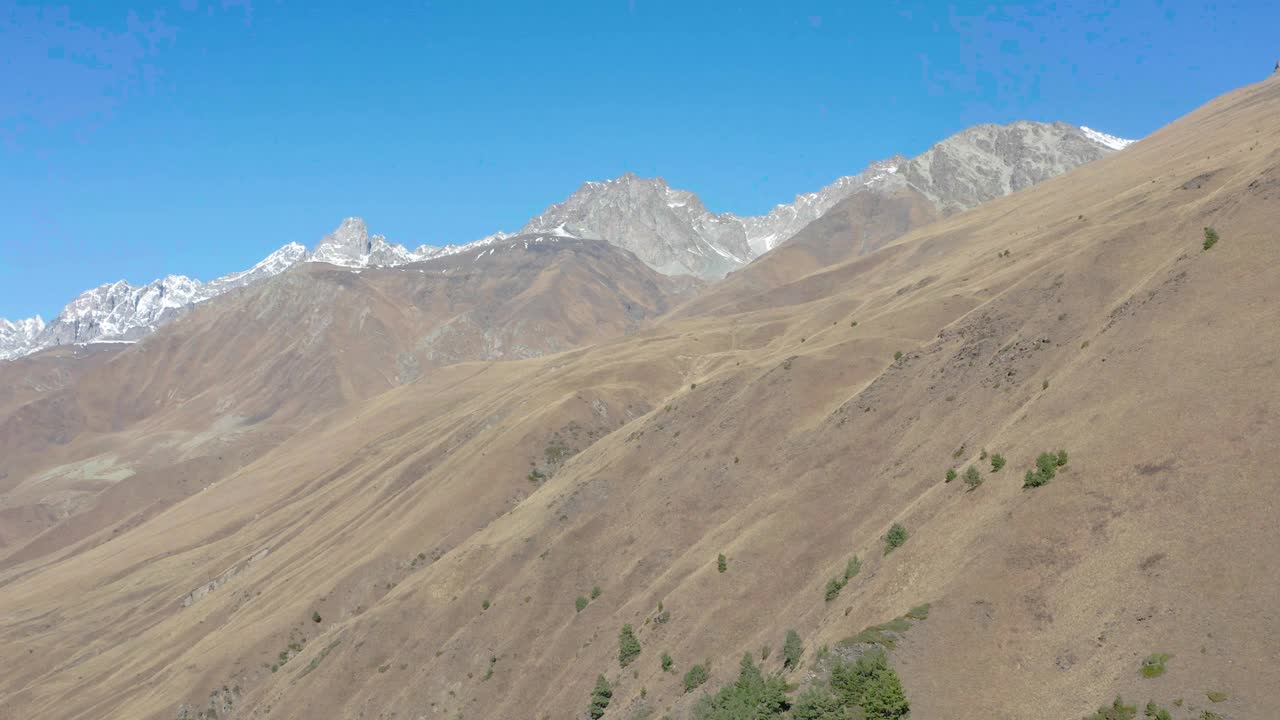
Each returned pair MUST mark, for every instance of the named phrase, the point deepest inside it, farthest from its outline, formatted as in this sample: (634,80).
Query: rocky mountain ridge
(667,228)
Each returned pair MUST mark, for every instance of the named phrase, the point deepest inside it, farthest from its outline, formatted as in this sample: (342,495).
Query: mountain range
(669,229)
(915,461)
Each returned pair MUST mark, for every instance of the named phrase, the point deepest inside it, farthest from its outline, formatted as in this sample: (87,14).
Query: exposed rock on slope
(674,233)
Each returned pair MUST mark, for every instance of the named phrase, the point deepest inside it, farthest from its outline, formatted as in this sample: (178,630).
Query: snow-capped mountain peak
(1111,141)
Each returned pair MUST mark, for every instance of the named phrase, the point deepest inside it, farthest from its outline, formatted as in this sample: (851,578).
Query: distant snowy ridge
(667,228)
(120,312)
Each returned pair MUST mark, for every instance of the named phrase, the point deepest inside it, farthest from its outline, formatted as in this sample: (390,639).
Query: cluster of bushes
(1119,711)
(836,584)
(868,688)
(751,697)
(1047,465)
(580,603)
(695,677)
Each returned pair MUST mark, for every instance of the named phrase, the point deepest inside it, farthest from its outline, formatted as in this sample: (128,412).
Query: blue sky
(186,136)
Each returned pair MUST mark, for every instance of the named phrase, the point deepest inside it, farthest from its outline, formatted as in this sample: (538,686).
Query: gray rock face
(669,229)
(987,161)
(674,233)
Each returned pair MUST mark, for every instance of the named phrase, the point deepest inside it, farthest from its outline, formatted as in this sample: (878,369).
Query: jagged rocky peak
(350,245)
(673,232)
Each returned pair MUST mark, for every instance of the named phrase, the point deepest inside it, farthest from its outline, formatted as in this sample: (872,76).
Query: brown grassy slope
(855,226)
(800,444)
(212,391)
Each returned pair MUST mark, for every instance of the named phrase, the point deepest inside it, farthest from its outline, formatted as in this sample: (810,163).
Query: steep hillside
(216,388)
(420,552)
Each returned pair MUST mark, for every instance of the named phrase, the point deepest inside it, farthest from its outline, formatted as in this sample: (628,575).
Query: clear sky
(139,139)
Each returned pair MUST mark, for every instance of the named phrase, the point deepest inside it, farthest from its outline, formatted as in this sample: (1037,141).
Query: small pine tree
(580,603)
(722,563)
(792,650)
(600,697)
(951,474)
(997,462)
(667,662)
(628,646)
(834,586)
(1210,237)
(484,605)
(895,538)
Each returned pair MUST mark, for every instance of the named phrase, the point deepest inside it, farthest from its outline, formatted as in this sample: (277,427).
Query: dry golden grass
(802,442)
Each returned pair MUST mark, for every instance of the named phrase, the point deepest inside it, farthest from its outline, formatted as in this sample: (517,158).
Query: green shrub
(792,650)
(951,474)
(751,697)
(1062,458)
(695,677)
(764,652)
(919,612)
(628,646)
(834,586)
(1216,696)
(484,605)
(1210,237)
(1153,666)
(1117,711)
(897,356)
(600,697)
(1210,715)
(972,477)
(595,592)
(315,616)
(872,685)
(852,568)
(1046,467)
(997,462)
(722,563)
(895,538)
(580,603)
(667,662)
(1155,712)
